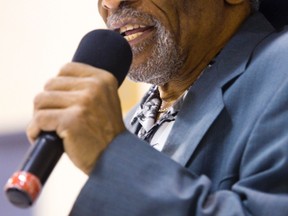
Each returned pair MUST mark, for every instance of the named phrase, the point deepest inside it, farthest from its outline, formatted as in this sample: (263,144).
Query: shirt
(154,131)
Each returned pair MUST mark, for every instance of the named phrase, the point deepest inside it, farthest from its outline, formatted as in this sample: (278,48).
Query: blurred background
(37,37)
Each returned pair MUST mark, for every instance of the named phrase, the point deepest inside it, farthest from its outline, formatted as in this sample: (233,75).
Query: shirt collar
(150,105)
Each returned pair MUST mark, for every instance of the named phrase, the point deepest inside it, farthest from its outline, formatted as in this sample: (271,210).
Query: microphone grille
(107,50)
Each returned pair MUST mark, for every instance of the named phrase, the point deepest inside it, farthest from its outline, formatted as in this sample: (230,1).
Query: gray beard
(165,60)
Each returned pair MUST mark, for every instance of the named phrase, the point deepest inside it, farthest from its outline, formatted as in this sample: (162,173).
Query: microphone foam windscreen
(107,50)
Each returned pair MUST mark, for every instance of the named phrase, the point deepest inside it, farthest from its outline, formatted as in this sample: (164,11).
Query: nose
(113,4)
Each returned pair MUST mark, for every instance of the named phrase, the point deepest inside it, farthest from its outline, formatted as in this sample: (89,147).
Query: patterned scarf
(146,114)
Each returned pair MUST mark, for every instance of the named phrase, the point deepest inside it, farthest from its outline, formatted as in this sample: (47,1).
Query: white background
(36,38)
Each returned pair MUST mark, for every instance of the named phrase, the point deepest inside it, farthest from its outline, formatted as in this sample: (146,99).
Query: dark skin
(69,103)
(210,26)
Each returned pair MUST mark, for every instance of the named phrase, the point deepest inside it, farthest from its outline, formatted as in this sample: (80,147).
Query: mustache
(127,13)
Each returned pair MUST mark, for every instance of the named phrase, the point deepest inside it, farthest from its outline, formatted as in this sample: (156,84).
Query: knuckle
(38,118)
(111,79)
(85,99)
(95,83)
(48,85)
(94,88)
(108,79)
(66,69)
(64,133)
(37,100)
(77,112)
(31,134)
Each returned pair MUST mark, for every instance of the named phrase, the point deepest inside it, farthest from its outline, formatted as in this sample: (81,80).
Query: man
(219,132)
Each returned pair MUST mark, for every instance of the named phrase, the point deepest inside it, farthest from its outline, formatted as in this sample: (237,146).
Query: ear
(234,2)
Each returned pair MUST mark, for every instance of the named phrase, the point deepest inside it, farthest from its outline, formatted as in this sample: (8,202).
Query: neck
(175,88)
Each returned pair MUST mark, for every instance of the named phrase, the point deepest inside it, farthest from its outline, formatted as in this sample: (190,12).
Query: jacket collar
(204,101)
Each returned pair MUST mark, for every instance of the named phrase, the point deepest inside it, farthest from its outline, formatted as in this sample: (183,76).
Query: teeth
(130,27)
(133,36)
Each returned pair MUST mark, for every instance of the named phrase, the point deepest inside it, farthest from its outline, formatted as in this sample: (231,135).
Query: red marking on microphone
(27,182)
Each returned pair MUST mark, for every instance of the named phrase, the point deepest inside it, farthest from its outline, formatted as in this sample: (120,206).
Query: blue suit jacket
(234,129)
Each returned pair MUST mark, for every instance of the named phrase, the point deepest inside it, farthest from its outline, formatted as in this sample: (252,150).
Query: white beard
(165,60)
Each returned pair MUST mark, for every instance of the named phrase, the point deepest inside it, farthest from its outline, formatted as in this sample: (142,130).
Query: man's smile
(134,33)
(133,29)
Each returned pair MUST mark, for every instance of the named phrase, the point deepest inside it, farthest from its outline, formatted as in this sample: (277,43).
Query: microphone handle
(101,49)
(24,186)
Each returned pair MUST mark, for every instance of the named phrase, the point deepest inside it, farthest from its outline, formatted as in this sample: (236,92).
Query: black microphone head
(107,50)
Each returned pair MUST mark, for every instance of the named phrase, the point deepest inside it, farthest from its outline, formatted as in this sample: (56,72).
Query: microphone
(103,49)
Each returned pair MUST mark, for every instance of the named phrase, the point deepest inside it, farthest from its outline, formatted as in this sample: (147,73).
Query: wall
(37,38)
(12,147)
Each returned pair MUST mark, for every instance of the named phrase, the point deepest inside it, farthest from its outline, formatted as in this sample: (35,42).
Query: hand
(82,105)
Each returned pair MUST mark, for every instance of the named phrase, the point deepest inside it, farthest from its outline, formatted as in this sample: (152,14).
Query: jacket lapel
(204,102)
(131,127)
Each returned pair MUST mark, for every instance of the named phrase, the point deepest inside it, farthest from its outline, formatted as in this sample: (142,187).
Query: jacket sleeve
(133,179)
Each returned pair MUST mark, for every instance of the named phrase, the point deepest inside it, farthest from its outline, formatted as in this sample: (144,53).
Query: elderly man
(215,141)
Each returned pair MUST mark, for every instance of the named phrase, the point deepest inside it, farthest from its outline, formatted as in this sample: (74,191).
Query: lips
(132,32)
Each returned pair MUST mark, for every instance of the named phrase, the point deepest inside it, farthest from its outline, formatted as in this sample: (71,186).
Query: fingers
(55,99)
(64,84)
(65,89)
(76,76)
(83,70)
(43,120)
(82,105)
(59,120)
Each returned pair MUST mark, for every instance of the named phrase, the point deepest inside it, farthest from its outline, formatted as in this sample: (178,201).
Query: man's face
(168,37)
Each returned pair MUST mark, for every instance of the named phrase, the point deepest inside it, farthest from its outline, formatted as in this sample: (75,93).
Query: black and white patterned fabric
(146,116)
